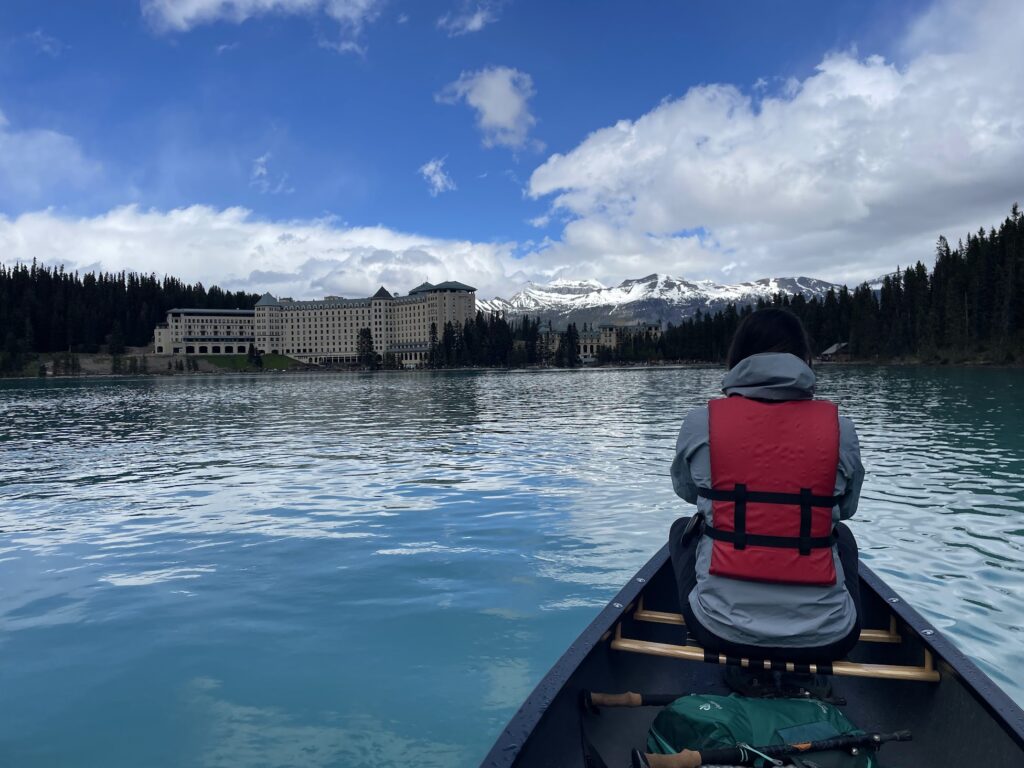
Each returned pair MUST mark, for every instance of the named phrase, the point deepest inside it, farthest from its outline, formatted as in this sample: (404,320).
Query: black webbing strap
(740,497)
(757,540)
(768,497)
(805,521)
(739,525)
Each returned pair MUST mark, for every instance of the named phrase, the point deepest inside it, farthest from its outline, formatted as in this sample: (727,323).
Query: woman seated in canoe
(765,568)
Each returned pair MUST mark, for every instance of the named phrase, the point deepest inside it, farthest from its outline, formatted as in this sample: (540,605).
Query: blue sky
(333,144)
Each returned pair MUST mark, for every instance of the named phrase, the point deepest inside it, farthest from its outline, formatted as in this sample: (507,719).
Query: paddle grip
(685,759)
(628,699)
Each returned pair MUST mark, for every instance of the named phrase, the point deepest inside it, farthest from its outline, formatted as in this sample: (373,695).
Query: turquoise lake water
(375,570)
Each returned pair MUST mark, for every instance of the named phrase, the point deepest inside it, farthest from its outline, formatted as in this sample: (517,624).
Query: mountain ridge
(655,298)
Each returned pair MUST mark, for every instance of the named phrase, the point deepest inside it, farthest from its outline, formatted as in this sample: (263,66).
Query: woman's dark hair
(769,330)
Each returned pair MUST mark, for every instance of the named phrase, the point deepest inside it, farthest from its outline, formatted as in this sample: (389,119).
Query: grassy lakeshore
(242,364)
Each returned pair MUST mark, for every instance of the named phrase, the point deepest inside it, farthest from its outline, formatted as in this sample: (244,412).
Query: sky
(315,147)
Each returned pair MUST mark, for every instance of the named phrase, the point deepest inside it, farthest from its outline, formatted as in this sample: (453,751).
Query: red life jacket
(773,474)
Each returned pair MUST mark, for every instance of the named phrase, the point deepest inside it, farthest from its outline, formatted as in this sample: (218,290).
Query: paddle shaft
(630,699)
(689,758)
(592,700)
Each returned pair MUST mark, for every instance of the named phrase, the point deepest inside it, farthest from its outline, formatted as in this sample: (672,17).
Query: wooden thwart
(866,635)
(925,673)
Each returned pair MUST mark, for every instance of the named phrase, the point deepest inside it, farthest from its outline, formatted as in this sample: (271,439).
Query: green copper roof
(453,285)
(266,300)
(449,285)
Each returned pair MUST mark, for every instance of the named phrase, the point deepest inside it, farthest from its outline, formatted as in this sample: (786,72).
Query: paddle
(744,755)
(592,699)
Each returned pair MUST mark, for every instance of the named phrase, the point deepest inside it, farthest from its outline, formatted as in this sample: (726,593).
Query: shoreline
(94,375)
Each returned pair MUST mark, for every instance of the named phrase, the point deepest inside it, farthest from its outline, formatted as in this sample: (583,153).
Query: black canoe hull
(963,720)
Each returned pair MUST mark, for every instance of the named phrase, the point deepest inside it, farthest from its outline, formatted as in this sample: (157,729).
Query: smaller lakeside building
(591,341)
(205,332)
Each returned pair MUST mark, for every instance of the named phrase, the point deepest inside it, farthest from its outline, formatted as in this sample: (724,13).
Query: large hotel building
(321,332)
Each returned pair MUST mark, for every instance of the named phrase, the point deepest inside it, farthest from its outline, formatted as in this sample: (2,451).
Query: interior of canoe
(957,719)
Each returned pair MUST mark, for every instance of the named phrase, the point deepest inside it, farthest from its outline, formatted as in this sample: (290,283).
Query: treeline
(486,340)
(44,309)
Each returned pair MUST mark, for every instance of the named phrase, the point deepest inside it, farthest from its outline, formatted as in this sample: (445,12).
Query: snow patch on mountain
(574,286)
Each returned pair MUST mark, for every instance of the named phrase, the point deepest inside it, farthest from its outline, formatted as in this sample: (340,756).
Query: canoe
(902,675)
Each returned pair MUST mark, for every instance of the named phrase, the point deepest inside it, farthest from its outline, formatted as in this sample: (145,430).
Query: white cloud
(35,164)
(261,178)
(471,18)
(437,179)
(226,48)
(500,96)
(844,174)
(44,43)
(259,170)
(183,15)
(307,258)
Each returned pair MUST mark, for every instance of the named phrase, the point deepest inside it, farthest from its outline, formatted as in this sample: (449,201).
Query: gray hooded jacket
(757,613)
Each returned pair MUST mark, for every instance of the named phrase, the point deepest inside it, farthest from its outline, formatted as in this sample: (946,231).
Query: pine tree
(364,349)
(571,340)
(433,353)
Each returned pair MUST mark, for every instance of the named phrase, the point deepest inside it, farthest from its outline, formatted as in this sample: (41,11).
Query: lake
(375,569)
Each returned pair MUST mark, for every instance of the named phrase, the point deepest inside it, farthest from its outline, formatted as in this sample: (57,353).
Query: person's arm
(850,468)
(692,436)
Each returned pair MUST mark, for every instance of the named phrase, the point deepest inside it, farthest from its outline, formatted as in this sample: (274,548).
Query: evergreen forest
(968,307)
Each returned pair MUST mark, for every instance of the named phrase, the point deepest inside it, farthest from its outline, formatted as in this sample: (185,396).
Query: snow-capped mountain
(655,298)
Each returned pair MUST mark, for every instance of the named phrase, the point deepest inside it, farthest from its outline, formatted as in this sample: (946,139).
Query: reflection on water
(249,735)
(349,570)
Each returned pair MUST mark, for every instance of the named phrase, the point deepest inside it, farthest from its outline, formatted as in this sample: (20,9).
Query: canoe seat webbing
(925,673)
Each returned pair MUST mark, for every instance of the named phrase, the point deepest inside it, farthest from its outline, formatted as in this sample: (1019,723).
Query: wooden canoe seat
(889,635)
(688,652)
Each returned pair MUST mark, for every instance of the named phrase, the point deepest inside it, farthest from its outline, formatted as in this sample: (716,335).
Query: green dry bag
(709,722)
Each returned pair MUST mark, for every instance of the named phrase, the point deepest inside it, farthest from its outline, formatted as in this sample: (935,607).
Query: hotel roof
(267,300)
(448,285)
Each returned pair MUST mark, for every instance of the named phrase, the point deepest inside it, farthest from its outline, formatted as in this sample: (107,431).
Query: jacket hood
(771,376)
